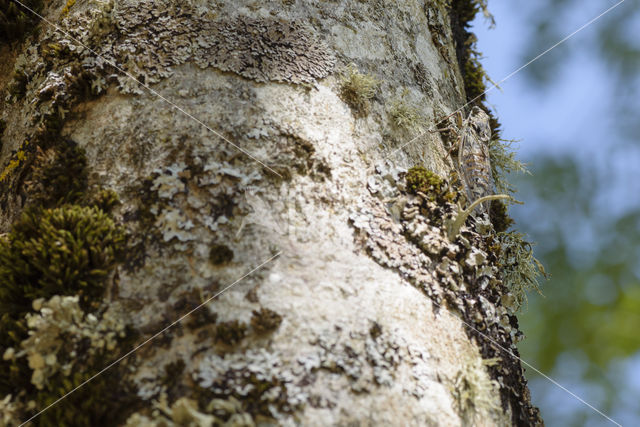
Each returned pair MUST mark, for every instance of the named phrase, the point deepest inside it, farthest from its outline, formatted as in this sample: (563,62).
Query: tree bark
(264,174)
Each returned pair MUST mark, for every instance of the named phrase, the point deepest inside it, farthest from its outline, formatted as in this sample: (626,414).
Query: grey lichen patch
(260,49)
(262,381)
(266,49)
(404,229)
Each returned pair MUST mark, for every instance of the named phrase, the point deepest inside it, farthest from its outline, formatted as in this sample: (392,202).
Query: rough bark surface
(356,321)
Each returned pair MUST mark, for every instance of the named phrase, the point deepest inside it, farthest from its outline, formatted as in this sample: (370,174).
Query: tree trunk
(264,173)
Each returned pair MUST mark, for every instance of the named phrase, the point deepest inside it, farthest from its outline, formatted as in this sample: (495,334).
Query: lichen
(17,160)
(405,115)
(504,162)
(357,89)
(266,49)
(67,7)
(519,269)
(183,412)
(473,390)
(62,338)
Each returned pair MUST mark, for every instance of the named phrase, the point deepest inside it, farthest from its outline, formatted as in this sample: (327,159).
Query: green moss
(231,332)
(500,220)
(419,179)
(357,90)
(105,200)
(59,176)
(265,320)
(15,21)
(63,251)
(220,254)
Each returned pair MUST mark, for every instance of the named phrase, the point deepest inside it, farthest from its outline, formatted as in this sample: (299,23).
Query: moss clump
(59,176)
(419,179)
(462,14)
(265,320)
(500,220)
(357,90)
(63,251)
(15,21)
(231,332)
(105,200)
(423,180)
(220,254)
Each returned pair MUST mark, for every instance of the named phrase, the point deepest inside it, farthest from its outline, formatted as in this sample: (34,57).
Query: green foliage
(61,251)
(15,21)
(104,200)
(59,176)
(357,89)
(419,179)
